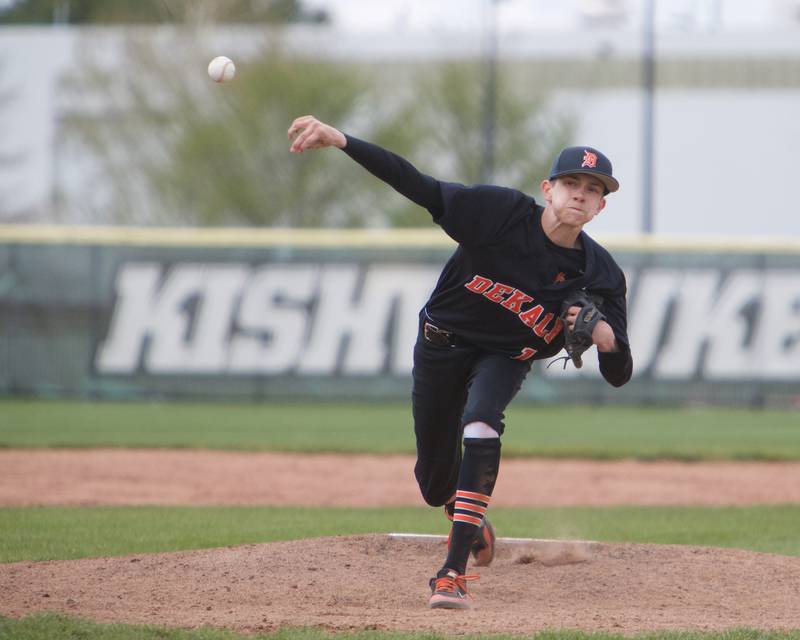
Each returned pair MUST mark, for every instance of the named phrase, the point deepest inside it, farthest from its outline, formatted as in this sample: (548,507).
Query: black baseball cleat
(483,546)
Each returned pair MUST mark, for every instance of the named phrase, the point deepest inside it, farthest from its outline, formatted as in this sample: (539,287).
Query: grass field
(592,432)
(60,533)
(48,627)
(29,534)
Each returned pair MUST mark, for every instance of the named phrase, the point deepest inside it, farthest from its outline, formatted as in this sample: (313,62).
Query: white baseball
(221,69)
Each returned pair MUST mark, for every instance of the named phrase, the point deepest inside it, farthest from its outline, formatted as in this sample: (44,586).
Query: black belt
(437,336)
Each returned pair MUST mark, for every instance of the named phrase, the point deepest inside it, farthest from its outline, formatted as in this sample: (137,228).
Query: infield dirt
(372,582)
(181,477)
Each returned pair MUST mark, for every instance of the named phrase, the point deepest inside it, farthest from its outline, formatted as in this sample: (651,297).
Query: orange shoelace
(448,583)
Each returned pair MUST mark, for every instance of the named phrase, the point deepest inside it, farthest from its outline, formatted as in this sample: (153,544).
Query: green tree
(157,11)
(527,136)
(168,146)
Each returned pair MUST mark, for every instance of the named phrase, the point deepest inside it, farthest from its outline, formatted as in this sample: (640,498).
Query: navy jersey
(503,287)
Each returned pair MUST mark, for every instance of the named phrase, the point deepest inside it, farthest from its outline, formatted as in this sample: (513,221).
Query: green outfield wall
(256,314)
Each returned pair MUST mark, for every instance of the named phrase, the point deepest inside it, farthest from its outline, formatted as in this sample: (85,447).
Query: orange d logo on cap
(584,159)
(589,159)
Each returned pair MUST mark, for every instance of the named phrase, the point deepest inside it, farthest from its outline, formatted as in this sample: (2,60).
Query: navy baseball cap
(585,160)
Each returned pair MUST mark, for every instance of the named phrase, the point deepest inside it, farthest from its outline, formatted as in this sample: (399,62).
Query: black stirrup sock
(476,480)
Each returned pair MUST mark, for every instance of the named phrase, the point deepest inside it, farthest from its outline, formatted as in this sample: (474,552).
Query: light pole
(490,95)
(648,114)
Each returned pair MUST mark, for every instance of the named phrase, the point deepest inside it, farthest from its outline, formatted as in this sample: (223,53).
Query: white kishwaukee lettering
(738,335)
(186,320)
(196,341)
(133,319)
(273,319)
(352,318)
(709,325)
(412,285)
(694,314)
(648,313)
(703,324)
(346,328)
(777,340)
(338,317)
(706,315)
(512,299)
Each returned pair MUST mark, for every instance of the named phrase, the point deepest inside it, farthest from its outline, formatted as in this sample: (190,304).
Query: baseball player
(524,282)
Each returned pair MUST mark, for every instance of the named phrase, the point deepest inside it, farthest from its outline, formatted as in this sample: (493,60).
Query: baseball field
(225,521)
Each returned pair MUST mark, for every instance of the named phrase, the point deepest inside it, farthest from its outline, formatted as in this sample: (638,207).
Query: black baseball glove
(579,338)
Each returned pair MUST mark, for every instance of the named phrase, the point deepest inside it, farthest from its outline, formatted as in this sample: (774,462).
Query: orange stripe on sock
(468,506)
(462,517)
(472,495)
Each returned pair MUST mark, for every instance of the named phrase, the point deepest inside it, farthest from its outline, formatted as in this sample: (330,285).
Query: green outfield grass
(49,626)
(59,533)
(545,431)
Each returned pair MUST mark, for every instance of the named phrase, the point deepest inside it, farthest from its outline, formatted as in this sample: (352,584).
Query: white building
(723,152)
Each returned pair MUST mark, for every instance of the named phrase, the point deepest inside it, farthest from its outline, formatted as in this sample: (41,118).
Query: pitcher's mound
(378,582)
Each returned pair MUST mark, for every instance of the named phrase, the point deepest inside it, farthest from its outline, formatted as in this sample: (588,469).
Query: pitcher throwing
(499,305)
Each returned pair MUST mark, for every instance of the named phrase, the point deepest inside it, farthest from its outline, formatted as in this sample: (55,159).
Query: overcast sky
(469,15)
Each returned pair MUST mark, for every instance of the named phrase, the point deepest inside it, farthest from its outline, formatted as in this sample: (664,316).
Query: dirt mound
(374,582)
